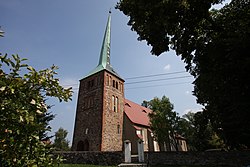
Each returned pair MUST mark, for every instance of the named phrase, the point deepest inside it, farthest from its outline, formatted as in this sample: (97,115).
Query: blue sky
(69,34)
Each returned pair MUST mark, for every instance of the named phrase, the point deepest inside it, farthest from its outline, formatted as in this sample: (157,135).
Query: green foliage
(213,44)
(145,104)
(187,130)
(45,119)
(23,110)
(164,122)
(199,133)
(1,32)
(60,142)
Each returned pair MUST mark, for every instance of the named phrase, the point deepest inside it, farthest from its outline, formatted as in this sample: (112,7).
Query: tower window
(91,83)
(114,83)
(107,80)
(115,103)
(118,129)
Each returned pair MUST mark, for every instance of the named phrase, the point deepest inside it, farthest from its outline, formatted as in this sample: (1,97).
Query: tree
(45,119)
(145,103)
(23,119)
(60,142)
(164,122)
(199,133)
(213,44)
(1,32)
(187,130)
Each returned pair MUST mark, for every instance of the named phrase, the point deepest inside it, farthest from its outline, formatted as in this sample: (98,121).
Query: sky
(69,34)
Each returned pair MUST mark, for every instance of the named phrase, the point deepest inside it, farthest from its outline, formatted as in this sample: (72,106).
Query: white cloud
(69,82)
(193,110)
(167,67)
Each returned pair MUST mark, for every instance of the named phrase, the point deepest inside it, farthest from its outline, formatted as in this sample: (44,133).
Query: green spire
(104,60)
(105,52)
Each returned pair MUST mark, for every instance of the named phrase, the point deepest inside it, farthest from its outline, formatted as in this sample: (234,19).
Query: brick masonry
(92,158)
(214,158)
(97,126)
(112,120)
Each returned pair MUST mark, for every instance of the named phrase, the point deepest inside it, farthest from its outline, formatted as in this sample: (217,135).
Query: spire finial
(109,10)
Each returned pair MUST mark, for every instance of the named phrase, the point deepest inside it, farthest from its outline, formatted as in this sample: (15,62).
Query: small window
(138,132)
(110,80)
(118,129)
(107,80)
(116,104)
(114,83)
(98,80)
(113,103)
(91,83)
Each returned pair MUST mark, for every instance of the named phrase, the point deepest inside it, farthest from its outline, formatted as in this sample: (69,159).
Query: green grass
(81,165)
(85,165)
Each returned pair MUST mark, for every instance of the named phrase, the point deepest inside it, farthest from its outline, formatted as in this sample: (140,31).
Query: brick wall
(96,122)
(112,120)
(213,158)
(93,158)
(88,121)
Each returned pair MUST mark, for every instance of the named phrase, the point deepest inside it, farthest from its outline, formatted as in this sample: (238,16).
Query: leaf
(30,68)
(33,102)
(21,119)
(2,88)
(39,112)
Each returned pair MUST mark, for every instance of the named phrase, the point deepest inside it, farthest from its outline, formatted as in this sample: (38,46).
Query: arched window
(83,145)
(118,129)
(113,103)
(110,80)
(79,146)
(86,145)
(116,85)
(116,104)
(120,86)
(107,80)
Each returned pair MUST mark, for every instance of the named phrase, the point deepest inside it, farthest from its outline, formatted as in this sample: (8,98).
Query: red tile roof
(137,113)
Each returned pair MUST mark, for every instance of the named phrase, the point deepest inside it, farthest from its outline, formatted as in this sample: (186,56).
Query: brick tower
(100,106)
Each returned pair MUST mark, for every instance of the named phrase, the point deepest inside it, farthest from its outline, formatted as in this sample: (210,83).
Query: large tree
(213,44)
(164,122)
(60,142)
(23,117)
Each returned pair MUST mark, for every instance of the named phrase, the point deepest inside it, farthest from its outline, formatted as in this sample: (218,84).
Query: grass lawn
(85,165)
(81,165)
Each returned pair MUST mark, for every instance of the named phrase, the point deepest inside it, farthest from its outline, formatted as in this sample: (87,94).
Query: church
(104,118)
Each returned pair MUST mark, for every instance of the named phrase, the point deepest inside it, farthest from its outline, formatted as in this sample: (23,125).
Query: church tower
(100,106)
